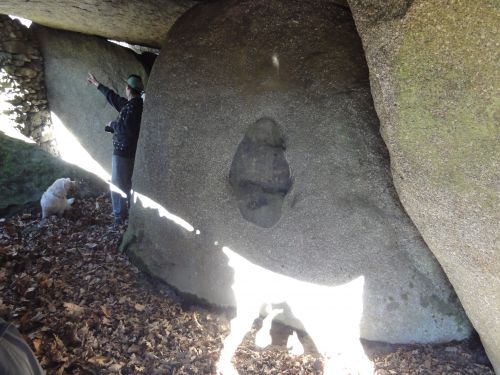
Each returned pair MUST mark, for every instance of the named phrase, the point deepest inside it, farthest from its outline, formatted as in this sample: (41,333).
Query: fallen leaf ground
(85,309)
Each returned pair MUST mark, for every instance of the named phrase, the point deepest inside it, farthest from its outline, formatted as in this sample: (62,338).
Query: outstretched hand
(108,128)
(91,79)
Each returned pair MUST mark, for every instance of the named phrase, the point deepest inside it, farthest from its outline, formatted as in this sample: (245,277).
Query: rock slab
(77,107)
(137,21)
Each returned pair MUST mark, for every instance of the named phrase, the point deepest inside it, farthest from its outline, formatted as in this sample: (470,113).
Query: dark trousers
(121,177)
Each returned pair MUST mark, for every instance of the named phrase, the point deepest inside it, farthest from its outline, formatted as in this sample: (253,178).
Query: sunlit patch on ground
(84,309)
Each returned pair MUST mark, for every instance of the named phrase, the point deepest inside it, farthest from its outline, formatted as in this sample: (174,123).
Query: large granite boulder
(435,77)
(259,131)
(26,171)
(75,105)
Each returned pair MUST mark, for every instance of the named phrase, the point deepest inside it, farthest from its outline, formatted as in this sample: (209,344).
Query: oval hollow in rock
(260,174)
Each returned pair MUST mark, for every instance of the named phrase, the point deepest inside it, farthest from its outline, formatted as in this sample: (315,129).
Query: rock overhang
(141,22)
(134,21)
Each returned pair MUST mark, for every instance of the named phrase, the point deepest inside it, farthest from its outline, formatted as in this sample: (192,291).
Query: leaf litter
(85,309)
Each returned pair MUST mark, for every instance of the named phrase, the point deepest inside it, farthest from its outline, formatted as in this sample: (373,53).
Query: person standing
(125,130)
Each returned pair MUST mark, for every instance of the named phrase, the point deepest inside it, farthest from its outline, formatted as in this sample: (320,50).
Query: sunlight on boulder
(331,315)
(115,189)
(162,211)
(276,63)
(73,152)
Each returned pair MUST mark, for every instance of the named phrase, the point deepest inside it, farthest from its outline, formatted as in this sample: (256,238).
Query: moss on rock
(447,69)
(435,76)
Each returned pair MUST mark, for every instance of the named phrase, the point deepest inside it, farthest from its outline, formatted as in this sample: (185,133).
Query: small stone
(27,72)
(18,47)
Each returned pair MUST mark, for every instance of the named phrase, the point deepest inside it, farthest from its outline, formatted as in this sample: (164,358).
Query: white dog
(54,199)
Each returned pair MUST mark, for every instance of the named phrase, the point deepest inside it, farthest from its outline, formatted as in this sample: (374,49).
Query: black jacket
(126,127)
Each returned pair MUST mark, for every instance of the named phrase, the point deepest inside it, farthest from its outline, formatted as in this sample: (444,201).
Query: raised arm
(112,97)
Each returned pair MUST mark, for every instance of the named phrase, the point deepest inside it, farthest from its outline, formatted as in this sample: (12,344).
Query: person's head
(134,86)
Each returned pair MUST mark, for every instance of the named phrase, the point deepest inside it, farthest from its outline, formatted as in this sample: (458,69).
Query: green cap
(135,82)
